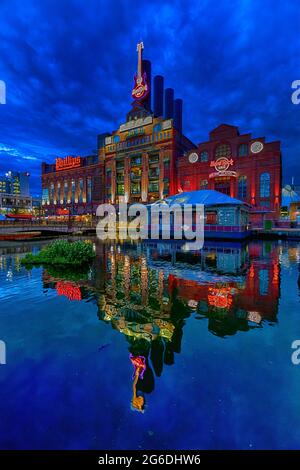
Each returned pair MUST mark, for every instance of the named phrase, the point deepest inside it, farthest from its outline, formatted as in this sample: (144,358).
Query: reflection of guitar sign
(139,364)
(141,88)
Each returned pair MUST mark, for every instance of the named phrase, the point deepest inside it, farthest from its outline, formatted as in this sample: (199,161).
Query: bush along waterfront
(62,253)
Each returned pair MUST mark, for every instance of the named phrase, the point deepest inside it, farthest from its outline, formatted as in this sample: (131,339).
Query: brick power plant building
(149,158)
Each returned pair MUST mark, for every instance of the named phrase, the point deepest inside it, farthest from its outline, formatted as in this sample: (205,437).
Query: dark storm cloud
(68,68)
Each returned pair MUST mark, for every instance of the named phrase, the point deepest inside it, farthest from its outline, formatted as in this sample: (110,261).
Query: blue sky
(69,64)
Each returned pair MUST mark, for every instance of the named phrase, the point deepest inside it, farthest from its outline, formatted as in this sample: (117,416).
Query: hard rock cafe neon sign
(221,166)
(67,163)
(141,87)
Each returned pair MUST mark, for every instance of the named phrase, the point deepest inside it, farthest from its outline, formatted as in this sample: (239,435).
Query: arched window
(157,128)
(242,187)
(243,150)
(116,139)
(265,185)
(204,156)
(223,150)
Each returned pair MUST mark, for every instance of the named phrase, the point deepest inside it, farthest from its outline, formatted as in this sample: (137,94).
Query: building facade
(238,165)
(73,185)
(10,203)
(140,159)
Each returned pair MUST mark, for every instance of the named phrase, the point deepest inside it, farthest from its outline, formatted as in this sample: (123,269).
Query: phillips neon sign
(67,163)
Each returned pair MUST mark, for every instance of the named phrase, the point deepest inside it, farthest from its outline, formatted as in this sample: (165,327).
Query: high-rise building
(4,185)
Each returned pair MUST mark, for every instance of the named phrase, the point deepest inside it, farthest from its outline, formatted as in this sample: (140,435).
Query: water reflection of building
(234,286)
(147,292)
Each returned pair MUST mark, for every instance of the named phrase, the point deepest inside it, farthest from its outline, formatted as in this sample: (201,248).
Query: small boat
(19,236)
(19,216)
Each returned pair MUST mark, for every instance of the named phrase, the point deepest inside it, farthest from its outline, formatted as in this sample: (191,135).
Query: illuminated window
(204,156)
(157,128)
(89,189)
(135,188)
(73,190)
(120,164)
(153,187)
(153,159)
(154,172)
(66,191)
(80,195)
(223,150)
(120,190)
(242,187)
(51,192)
(136,173)
(116,139)
(108,177)
(226,216)
(166,187)
(58,192)
(45,196)
(203,184)
(265,185)
(136,161)
(243,150)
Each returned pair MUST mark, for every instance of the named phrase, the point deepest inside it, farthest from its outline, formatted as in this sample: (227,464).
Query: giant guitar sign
(141,87)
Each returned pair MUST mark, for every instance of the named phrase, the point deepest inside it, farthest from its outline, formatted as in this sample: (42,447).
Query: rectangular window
(154,172)
(120,164)
(136,174)
(66,191)
(135,188)
(73,190)
(89,189)
(51,192)
(153,159)
(120,190)
(226,217)
(265,203)
(211,218)
(120,176)
(153,187)
(45,196)
(108,178)
(58,192)
(166,187)
(136,161)
(80,194)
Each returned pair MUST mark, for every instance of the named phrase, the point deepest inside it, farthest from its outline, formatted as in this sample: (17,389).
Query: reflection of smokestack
(169,103)
(146,67)
(178,114)
(158,100)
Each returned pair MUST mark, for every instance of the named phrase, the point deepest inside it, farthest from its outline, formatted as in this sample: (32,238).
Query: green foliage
(62,253)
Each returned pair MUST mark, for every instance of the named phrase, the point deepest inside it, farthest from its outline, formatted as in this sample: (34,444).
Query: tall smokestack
(146,67)
(158,99)
(169,103)
(178,104)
